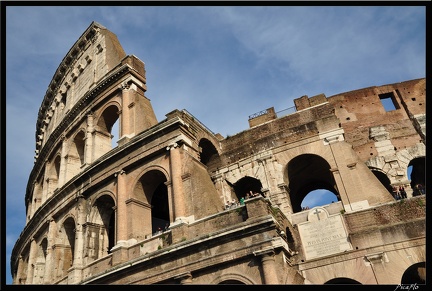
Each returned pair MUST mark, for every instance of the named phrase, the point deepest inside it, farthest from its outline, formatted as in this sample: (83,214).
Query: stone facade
(152,210)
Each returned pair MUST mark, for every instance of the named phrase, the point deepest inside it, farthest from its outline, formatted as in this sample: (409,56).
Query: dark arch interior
(209,155)
(160,209)
(415,274)
(231,282)
(245,185)
(307,173)
(418,174)
(105,205)
(383,179)
(342,281)
(156,192)
(109,117)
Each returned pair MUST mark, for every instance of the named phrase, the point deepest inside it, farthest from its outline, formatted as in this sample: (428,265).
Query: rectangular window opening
(388,101)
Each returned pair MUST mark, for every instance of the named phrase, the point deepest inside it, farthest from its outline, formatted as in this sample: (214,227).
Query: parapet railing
(197,120)
(281,113)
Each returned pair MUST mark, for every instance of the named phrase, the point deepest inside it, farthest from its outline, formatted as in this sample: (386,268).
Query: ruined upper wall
(367,123)
(92,56)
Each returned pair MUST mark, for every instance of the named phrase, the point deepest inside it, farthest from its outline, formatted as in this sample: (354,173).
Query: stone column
(263,161)
(63,162)
(19,273)
(177,182)
(50,260)
(76,273)
(122,218)
(31,261)
(218,182)
(377,263)
(269,268)
(45,183)
(126,117)
(89,139)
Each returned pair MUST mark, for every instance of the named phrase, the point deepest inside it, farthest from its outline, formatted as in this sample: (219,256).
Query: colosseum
(171,202)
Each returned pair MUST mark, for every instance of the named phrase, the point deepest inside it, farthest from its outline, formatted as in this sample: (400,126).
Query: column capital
(172,146)
(269,251)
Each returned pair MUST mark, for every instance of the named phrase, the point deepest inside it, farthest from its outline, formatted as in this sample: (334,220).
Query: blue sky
(221,63)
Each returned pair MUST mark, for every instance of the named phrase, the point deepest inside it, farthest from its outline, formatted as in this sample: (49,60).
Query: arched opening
(246,186)
(209,155)
(75,157)
(418,175)
(65,250)
(415,274)
(382,177)
(22,279)
(79,142)
(231,282)
(160,208)
(318,197)
(39,266)
(153,192)
(53,176)
(101,228)
(115,133)
(103,135)
(342,281)
(307,173)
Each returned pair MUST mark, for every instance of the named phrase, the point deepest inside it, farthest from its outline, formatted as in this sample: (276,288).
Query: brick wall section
(359,110)
(270,115)
(135,63)
(283,130)
(387,215)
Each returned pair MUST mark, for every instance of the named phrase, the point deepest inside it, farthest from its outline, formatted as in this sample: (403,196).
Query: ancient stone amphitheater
(156,208)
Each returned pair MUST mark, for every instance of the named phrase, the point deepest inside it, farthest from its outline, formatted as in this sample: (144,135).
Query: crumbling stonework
(158,208)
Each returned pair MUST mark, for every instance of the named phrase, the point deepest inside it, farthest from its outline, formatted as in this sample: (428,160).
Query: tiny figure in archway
(421,189)
(242,201)
(396,193)
(402,192)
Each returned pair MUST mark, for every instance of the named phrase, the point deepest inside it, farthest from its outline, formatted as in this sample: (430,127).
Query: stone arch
(342,281)
(404,158)
(306,173)
(415,274)
(40,262)
(53,175)
(209,155)
(100,230)
(383,178)
(75,157)
(108,116)
(246,185)
(22,276)
(232,278)
(78,146)
(152,191)
(418,174)
(66,246)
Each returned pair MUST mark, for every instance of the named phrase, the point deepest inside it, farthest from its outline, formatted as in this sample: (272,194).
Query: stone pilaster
(50,260)
(63,162)
(269,268)
(89,139)
(177,182)
(121,207)
(268,265)
(31,262)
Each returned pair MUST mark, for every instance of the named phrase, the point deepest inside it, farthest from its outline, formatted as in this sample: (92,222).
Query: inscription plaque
(323,234)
